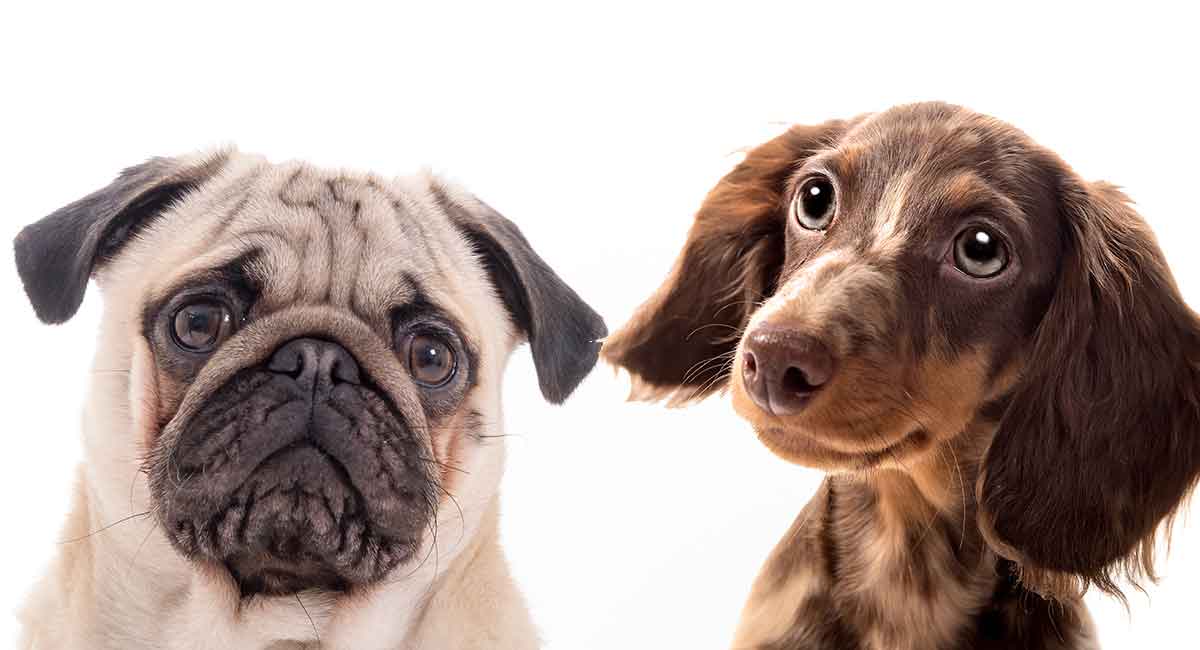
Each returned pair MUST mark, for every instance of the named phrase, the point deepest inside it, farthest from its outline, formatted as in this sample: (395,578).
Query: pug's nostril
(286,362)
(345,372)
(316,362)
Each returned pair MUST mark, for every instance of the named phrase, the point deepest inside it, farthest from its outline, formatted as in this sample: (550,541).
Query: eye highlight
(201,325)
(980,252)
(813,206)
(430,360)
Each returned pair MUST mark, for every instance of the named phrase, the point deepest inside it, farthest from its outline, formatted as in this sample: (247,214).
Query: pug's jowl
(296,396)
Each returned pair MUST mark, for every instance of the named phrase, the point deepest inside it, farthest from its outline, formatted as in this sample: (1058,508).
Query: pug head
(299,369)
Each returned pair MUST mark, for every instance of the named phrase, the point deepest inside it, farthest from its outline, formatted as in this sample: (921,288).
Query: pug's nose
(315,363)
(783,369)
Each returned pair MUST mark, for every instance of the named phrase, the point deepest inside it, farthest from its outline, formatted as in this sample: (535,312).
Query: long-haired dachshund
(987,353)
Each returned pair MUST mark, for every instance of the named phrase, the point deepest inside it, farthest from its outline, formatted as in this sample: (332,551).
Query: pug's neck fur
(105,585)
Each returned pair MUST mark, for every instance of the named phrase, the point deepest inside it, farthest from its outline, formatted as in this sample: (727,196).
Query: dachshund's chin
(810,449)
(812,440)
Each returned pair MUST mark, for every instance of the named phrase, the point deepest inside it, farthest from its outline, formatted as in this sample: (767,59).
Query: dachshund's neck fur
(893,559)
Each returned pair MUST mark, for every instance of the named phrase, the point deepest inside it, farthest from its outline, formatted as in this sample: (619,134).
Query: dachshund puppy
(987,354)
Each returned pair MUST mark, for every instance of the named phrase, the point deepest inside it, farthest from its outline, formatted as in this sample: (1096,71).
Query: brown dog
(987,353)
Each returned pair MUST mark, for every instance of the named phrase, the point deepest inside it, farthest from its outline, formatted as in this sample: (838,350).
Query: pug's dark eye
(430,360)
(813,205)
(979,252)
(202,325)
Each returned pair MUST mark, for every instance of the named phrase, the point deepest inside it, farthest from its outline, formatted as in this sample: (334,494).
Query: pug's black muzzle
(297,474)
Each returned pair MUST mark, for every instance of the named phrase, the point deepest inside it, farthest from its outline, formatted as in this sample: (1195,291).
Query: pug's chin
(268,575)
(297,524)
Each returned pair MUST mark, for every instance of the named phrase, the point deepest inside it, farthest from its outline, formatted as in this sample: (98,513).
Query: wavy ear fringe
(1100,444)
(678,347)
(1132,570)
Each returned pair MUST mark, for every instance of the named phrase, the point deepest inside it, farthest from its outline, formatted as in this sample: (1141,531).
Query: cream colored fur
(124,587)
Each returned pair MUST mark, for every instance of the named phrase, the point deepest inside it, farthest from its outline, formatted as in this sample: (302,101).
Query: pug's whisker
(310,618)
(437,551)
(431,525)
(461,517)
(104,528)
(443,465)
(132,485)
(487,436)
(150,531)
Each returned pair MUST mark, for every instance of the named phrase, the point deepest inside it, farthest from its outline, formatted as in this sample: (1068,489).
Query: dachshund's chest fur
(862,569)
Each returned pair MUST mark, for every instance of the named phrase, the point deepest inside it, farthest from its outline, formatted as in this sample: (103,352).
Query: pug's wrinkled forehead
(291,234)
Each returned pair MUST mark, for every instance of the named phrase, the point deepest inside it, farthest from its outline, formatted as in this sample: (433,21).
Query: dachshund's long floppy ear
(1100,442)
(678,344)
(57,255)
(564,332)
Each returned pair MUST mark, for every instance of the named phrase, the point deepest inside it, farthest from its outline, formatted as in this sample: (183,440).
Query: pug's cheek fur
(149,413)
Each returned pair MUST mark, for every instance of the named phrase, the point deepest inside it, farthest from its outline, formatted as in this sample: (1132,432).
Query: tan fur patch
(888,239)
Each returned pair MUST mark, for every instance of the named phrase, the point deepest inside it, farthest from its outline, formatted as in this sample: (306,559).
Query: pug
(293,434)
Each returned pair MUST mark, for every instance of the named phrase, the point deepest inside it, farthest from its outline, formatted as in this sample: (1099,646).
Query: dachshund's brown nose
(782,369)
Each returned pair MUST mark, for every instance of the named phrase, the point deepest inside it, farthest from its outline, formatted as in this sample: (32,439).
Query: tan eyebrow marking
(964,191)
(847,159)
(888,237)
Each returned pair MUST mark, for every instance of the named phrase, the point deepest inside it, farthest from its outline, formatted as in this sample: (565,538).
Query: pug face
(301,367)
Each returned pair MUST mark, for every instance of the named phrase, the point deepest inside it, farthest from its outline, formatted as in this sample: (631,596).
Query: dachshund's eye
(979,252)
(430,360)
(813,204)
(200,326)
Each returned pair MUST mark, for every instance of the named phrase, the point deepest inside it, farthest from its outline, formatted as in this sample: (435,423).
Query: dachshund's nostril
(783,369)
(751,364)
(795,381)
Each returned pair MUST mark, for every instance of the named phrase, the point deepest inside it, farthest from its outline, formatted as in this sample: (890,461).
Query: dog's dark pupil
(980,246)
(816,196)
(979,252)
(431,360)
(199,325)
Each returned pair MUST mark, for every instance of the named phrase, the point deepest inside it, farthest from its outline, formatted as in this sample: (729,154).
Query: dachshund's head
(873,290)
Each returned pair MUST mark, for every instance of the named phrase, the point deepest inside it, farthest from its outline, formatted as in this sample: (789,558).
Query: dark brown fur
(999,444)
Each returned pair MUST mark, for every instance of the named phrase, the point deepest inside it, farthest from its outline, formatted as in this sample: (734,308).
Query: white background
(628,525)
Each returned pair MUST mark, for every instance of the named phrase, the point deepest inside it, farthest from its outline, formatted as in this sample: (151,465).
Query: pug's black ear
(563,331)
(57,255)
